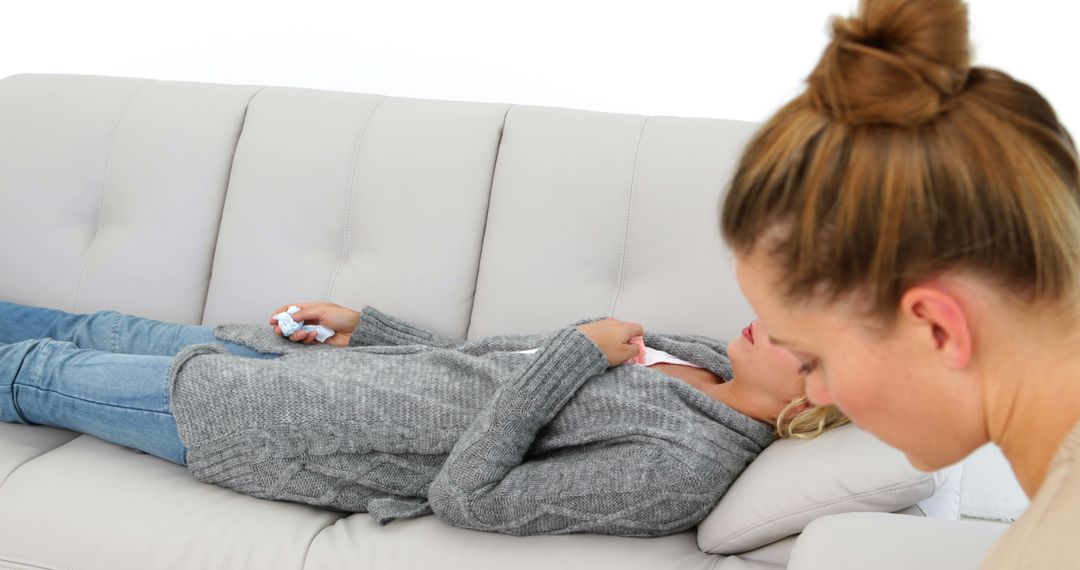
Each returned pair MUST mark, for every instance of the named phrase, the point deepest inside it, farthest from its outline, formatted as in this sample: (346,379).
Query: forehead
(757,276)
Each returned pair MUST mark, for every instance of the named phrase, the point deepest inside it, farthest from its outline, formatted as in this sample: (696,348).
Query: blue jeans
(103,373)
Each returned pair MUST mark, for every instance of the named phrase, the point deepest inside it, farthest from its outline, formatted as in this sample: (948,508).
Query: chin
(739,342)
(733,350)
(926,464)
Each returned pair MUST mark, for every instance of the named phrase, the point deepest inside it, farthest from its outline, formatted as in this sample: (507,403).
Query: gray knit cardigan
(405,422)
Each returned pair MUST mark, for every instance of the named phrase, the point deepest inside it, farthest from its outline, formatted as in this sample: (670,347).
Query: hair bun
(898,61)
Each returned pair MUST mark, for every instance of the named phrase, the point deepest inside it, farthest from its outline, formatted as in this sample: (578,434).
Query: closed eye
(808,367)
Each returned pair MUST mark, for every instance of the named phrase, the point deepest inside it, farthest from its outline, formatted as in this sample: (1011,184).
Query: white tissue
(290,326)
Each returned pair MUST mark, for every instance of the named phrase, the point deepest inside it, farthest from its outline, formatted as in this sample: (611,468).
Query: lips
(748,332)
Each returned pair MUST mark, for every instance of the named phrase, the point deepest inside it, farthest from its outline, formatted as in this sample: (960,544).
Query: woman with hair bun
(909,228)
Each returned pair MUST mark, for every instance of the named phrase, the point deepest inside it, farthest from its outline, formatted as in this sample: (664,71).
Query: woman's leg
(120,398)
(109,331)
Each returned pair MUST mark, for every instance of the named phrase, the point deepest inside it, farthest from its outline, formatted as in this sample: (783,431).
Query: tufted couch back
(204,203)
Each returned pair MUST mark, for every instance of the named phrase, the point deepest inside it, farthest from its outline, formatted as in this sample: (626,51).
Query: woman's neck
(1033,404)
(734,395)
(1031,419)
(747,402)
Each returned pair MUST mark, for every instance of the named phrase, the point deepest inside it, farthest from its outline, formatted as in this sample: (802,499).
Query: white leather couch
(202,203)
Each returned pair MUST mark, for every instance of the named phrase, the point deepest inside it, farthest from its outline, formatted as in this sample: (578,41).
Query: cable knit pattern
(405,422)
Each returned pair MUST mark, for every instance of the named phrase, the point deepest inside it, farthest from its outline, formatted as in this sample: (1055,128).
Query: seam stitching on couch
(349,197)
(46,452)
(224,197)
(487,215)
(895,489)
(629,210)
(34,563)
(307,551)
(104,184)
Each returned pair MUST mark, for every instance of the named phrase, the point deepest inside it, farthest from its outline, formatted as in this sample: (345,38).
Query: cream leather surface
(794,482)
(175,200)
(91,504)
(357,542)
(114,187)
(20,444)
(776,553)
(362,199)
(595,213)
(857,541)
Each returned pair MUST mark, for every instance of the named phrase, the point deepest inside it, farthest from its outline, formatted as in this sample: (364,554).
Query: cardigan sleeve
(630,486)
(380,329)
(377,328)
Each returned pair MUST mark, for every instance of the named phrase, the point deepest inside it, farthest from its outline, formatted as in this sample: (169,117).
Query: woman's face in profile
(772,370)
(887,384)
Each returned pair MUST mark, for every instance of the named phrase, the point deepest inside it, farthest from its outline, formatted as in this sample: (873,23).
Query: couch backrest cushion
(112,190)
(356,199)
(599,213)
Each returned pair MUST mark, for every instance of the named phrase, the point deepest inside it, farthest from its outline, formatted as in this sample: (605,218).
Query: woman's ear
(938,319)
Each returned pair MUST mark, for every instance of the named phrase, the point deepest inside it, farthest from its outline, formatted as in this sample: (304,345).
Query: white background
(723,59)
(716,58)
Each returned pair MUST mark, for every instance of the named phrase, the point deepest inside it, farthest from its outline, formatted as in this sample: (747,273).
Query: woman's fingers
(299,336)
(634,329)
(306,337)
(302,336)
(317,312)
(278,311)
(312,312)
(303,315)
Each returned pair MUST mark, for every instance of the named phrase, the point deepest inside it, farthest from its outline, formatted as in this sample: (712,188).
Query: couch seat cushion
(93,505)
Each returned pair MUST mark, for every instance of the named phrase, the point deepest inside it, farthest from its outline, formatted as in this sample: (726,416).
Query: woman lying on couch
(576,430)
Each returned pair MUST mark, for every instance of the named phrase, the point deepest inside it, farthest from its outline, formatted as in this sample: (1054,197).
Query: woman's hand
(341,320)
(613,337)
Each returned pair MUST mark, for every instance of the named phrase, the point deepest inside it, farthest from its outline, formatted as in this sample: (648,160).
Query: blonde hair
(809,423)
(901,162)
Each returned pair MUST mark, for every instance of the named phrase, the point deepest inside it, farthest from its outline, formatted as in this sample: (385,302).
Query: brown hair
(900,161)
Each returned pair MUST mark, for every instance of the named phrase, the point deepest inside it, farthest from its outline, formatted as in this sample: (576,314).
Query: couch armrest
(884,541)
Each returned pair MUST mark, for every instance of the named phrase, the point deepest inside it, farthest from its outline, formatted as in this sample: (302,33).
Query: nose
(817,391)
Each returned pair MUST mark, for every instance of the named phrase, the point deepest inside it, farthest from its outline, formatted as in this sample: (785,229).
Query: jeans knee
(14,357)
(9,412)
(16,361)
